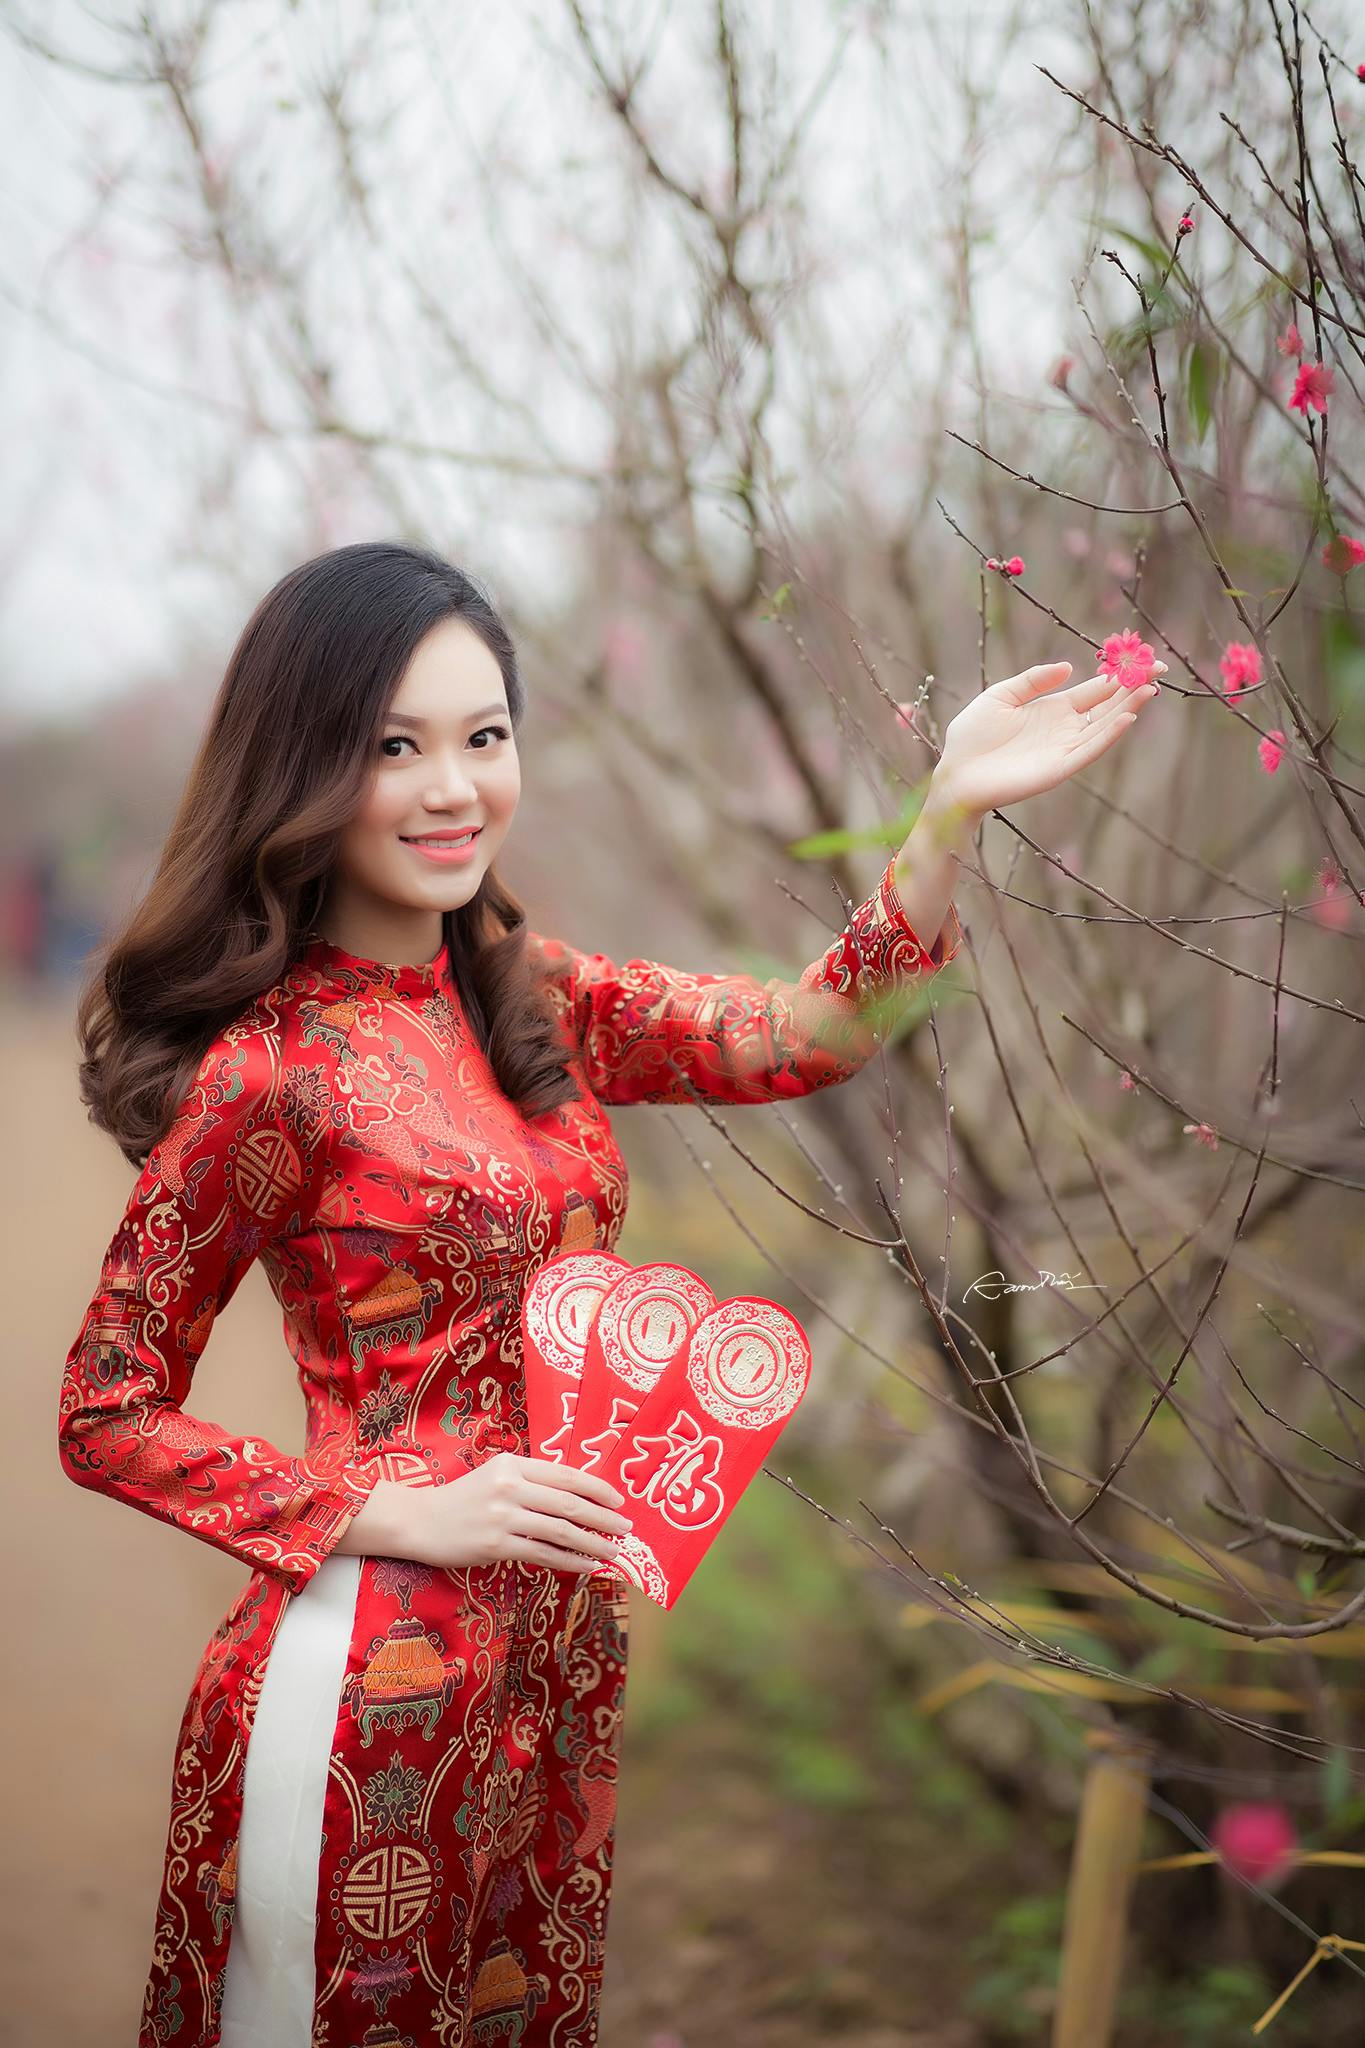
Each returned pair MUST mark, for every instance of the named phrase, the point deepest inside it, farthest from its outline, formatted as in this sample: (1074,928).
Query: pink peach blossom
(1290,343)
(1240,667)
(1333,909)
(1343,553)
(1204,1133)
(1257,1842)
(1270,751)
(1313,384)
(1332,913)
(1128,659)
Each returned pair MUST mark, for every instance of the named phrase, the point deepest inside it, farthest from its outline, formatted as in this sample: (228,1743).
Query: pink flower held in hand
(1290,343)
(1312,387)
(1256,1842)
(1205,1133)
(1240,667)
(1128,659)
(1343,554)
(1270,751)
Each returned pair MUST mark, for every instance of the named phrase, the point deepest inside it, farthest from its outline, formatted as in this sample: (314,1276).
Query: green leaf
(1336,1783)
(1158,258)
(820,845)
(1201,382)
(1344,659)
(780,596)
(845,838)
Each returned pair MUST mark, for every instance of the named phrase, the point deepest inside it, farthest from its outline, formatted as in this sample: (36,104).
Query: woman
(330,1041)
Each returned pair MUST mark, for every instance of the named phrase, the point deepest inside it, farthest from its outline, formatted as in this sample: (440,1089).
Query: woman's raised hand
(1025,735)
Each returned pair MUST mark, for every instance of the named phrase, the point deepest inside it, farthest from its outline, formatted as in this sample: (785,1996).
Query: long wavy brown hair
(284,765)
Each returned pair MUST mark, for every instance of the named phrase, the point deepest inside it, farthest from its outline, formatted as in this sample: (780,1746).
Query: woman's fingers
(1098,689)
(1095,690)
(559,1531)
(1033,682)
(554,1500)
(1043,679)
(1107,724)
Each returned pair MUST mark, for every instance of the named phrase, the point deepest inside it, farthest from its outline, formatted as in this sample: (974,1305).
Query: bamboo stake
(1103,1866)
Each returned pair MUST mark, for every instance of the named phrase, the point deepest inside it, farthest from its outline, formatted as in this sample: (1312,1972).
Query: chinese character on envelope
(639,1374)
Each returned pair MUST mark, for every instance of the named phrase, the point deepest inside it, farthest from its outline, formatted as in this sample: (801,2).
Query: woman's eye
(396,739)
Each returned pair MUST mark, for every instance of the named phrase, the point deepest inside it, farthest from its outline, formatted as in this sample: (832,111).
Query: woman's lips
(446,855)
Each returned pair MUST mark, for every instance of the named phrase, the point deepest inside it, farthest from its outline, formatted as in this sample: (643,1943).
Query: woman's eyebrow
(484,711)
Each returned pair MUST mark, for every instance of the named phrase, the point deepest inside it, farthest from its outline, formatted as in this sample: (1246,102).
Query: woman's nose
(457,786)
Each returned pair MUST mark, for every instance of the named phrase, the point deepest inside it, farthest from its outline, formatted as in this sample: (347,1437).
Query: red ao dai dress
(393,1791)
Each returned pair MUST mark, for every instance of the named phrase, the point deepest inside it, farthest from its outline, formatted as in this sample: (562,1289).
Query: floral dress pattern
(347,1131)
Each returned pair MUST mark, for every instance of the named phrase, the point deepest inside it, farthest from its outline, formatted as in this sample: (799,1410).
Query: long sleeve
(641,1027)
(236,1170)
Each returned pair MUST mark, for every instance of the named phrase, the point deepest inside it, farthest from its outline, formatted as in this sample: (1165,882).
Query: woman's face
(446,760)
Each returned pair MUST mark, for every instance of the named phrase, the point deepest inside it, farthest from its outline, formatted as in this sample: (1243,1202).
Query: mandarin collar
(378,977)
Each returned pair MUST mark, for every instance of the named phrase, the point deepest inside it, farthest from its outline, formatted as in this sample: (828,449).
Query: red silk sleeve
(232,1176)
(641,1027)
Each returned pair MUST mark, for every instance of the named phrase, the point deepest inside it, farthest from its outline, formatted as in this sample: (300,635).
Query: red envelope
(686,1455)
(644,1320)
(557,1312)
